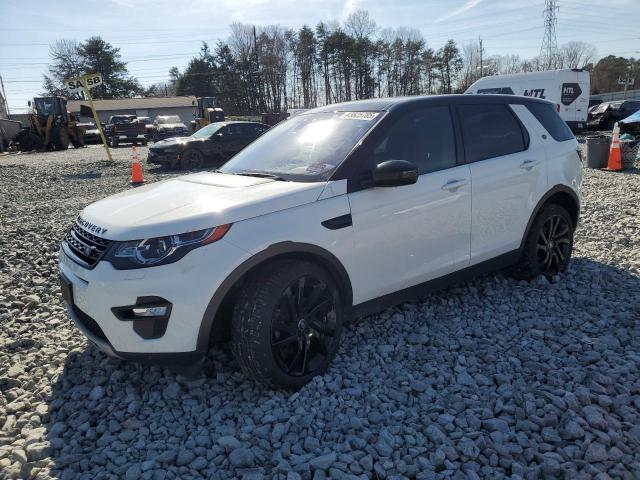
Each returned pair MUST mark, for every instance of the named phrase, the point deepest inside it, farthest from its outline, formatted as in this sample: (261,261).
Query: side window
(551,121)
(234,130)
(631,106)
(423,137)
(252,130)
(490,130)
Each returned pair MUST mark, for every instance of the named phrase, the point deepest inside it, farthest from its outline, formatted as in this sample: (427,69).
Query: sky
(154,35)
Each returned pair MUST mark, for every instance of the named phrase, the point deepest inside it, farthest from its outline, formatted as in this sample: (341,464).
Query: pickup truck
(125,129)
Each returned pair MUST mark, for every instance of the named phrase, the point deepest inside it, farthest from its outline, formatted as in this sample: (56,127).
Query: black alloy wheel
(548,246)
(554,245)
(287,322)
(304,326)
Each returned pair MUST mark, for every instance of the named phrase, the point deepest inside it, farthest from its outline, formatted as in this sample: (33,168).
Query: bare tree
(471,68)
(576,54)
(359,24)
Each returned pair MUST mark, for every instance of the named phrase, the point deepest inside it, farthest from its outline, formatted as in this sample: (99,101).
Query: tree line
(271,68)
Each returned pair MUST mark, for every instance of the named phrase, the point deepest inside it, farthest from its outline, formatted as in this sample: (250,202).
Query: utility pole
(549,48)
(481,66)
(4,103)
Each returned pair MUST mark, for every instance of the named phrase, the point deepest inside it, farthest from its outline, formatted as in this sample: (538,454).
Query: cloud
(464,8)
(350,6)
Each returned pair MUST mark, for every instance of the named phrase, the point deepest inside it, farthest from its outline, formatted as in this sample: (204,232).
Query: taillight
(114,129)
(558,107)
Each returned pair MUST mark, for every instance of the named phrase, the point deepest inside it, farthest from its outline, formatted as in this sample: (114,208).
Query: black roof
(398,103)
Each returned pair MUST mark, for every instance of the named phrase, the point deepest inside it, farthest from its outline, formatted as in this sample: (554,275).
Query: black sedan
(215,143)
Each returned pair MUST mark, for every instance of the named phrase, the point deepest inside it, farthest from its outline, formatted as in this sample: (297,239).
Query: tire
(114,142)
(271,340)
(191,158)
(543,255)
(78,141)
(144,142)
(28,141)
(60,138)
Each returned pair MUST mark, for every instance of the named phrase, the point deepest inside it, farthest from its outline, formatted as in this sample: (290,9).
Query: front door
(409,234)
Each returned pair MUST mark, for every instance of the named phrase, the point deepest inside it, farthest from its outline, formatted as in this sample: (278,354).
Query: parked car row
(127,129)
(173,147)
(605,115)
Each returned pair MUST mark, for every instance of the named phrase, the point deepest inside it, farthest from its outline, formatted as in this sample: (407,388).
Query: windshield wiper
(261,175)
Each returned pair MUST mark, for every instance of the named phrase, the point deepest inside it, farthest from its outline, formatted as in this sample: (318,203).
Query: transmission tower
(549,48)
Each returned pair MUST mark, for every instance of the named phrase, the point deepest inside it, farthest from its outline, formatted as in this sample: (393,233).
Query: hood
(633,118)
(194,202)
(173,142)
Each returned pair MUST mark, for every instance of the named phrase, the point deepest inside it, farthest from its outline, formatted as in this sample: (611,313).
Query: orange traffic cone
(136,169)
(615,156)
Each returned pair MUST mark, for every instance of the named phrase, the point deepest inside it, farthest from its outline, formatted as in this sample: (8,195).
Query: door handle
(453,185)
(529,164)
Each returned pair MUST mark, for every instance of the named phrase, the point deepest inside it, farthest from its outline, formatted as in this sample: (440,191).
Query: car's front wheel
(549,244)
(191,158)
(287,323)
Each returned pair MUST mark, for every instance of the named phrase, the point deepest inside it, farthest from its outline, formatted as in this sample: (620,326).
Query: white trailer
(568,89)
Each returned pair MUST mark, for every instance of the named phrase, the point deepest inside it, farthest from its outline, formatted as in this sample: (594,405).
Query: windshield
(307,147)
(169,119)
(604,106)
(45,106)
(122,120)
(206,132)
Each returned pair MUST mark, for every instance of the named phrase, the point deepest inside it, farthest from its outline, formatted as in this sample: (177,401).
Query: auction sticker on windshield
(358,115)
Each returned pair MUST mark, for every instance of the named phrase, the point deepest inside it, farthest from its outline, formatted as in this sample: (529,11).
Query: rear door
(508,173)
(409,234)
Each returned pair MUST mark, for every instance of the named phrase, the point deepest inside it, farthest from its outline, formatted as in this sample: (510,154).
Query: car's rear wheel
(287,323)
(549,245)
(191,158)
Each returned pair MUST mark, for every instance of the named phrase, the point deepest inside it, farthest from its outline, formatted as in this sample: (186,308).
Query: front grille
(89,323)
(87,247)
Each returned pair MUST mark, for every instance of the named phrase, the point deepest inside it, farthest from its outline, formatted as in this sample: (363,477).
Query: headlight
(161,250)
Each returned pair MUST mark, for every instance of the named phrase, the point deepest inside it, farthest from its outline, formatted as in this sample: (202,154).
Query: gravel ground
(492,379)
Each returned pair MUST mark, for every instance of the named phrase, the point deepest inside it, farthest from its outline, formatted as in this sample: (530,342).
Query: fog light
(149,311)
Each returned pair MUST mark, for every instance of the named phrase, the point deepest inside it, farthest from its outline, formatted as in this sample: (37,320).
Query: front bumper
(189,284)
(162,159)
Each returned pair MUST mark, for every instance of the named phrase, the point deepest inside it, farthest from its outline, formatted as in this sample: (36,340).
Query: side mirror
(394,173)
(29,103)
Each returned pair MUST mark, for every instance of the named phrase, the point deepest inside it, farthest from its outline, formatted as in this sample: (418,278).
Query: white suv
(338,212)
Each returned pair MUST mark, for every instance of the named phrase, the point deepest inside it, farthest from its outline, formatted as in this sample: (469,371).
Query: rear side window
(551,121)
(490,130)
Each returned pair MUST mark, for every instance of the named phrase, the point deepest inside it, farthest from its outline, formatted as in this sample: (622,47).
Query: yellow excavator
(51,126)
(207,113)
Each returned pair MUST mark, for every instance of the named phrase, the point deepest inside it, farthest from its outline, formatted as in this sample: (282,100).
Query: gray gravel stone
(242,458)
(323,462)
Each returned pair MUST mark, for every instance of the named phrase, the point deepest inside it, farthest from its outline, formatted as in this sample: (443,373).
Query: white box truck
(567,88)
